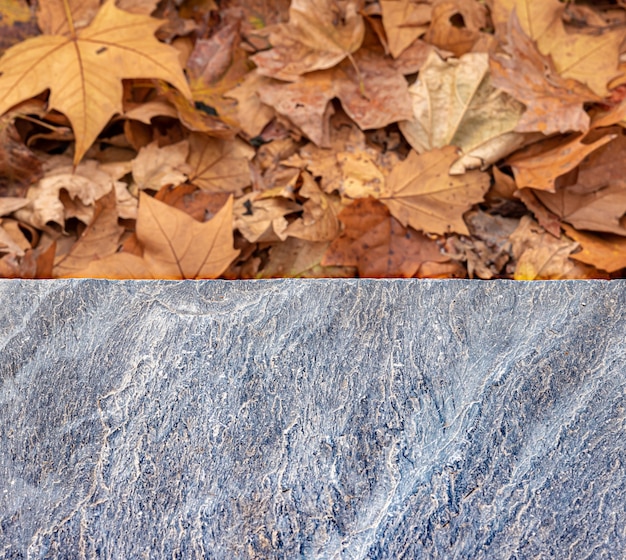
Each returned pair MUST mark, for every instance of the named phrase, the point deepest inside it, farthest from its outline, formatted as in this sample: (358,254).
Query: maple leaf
(421,193)
(455,104)
(319,35)
(219,165)
(83,69)
(175,246)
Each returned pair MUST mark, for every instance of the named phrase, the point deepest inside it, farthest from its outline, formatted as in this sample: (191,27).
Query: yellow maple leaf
(84,69)
(175,246)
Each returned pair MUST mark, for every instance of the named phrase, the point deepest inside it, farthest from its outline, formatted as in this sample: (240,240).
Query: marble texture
(344,419)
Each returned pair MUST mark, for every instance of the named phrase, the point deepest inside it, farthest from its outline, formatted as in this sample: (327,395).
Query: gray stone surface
(312,419)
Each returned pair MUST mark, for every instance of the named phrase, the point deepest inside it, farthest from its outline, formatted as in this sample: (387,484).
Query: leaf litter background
(254,139)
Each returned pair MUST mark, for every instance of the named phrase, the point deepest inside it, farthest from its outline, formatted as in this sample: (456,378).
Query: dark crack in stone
(345,419)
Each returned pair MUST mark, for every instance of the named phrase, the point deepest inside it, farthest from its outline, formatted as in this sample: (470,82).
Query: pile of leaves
(253,139)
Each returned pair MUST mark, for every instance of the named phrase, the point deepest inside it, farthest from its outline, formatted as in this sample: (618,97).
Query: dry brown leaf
(606,165)
(350,167)
(195,202)
(547,220)
(593,60)
(99,240)
(421,193)
(606,252)
(404,21)
(319,35)
(298,258)
(600,210)
(319,221)
(251,114)
(145,112)
(378,245)
(553,104)
(257,17)
(540,170)
(376,98)
(456,25)
(261,219)
(119,266)
(534,17)
(454,104)
(12,240)
(542,257)
(19,167)
(156,167)
(219,165)
(84,69)
(64,193)
(216,65)
(488,250)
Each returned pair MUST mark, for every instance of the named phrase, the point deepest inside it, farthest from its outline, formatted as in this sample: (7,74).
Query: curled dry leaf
(63,193)
(319,221)
(421,193)
(156,167)
(263,219)
(455,104)
(84,69)
(319,35)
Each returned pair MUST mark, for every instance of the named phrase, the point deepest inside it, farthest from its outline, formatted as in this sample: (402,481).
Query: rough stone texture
(312,419)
